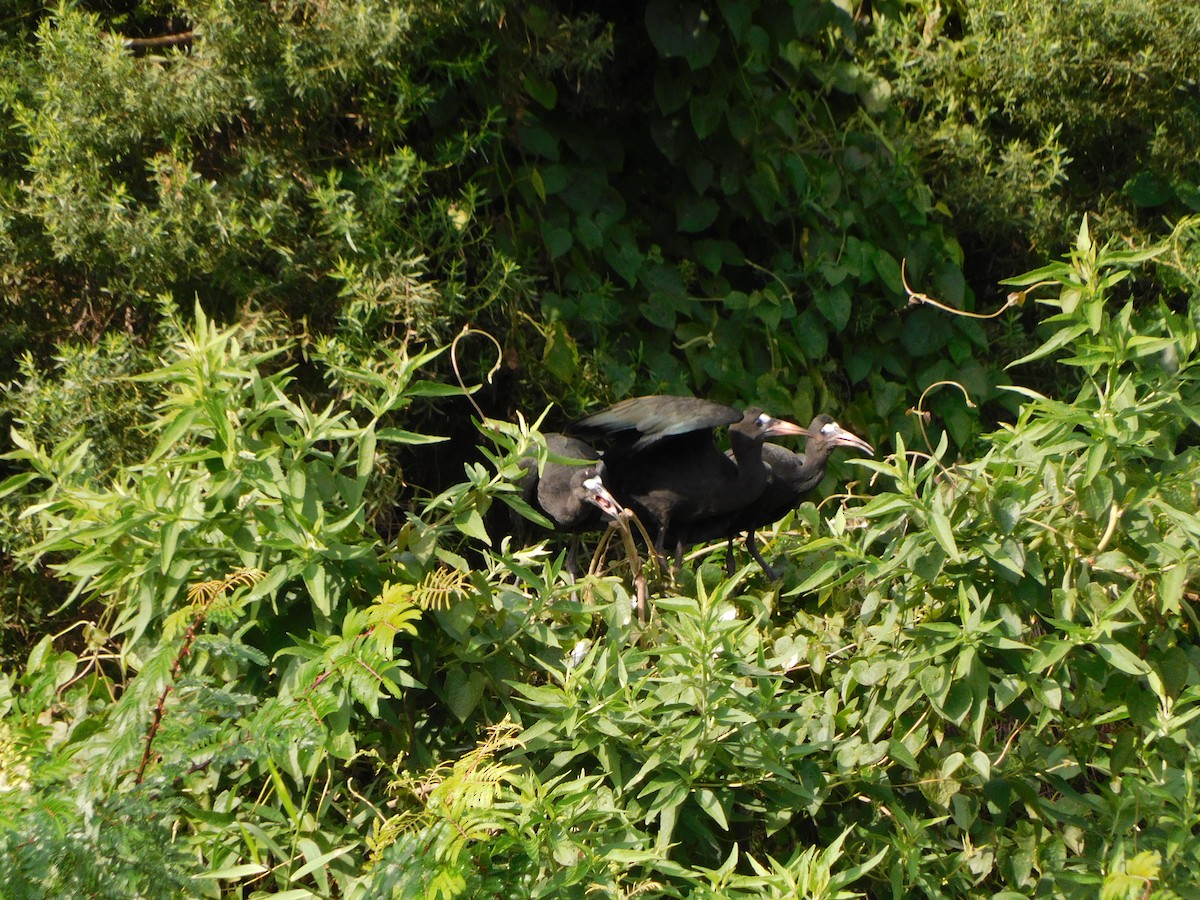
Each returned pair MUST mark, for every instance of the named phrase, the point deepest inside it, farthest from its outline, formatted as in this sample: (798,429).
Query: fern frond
(207,591)
(393,611)
(462,793)
(440,588)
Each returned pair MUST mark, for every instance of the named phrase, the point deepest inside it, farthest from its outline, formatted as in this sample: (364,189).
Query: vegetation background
(262,631)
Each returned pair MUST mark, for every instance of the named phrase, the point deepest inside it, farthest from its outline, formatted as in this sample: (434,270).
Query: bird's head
(825,430)
(598,495)
(759,426)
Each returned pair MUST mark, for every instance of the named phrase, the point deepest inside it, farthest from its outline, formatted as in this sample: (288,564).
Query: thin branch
(916,299)
(162,40)
(1114,516)
(468,330)
(203,594)
(922,415)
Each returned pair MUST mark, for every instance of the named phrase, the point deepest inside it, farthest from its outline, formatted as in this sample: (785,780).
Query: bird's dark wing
(646,420)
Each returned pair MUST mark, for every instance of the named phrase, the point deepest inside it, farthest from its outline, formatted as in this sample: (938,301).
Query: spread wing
(640,422)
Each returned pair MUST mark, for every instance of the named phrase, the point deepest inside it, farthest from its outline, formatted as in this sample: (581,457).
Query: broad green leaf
(1170,588)
(1061,338)
(711,804)
(542,90)
(835,305)
(693,213)
(943,533)
(1121,658)
(243,871)
(464,691)
(557,238)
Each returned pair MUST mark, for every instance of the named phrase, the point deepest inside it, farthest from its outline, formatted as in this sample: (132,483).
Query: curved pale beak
(843,438)
(598,495)
(781,427)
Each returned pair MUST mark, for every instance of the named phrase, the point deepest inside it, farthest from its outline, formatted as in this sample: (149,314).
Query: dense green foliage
(1038,113)
(263,629)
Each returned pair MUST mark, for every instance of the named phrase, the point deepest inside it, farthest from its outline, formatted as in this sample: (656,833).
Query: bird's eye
(829,428)
(763,421)
(593,483)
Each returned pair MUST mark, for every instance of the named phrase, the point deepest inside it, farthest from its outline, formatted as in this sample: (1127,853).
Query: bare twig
(468,330)
(635,563)
(162,40)
(1114,516)
(922,415)
(624,526)
(916,299)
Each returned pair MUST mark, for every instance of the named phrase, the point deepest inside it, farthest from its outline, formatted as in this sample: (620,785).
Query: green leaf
(1060,339)
(1170,588)
(470,523)
(835,305)
(711,804)
(1119,657)
(958,702)
(16,482)
(706,113)
(1083,240)
(180,424)
(538,140)
(1149,189)
(939,525)
(464,691)
(539,185)
(366,454)
(432,389)
(672,90)
(623,255)
(561,355)
(314,576)
(557,238)
(317,862)
(888,270)
(232,872)
(400,436)
(1059,272)
(714,255)
(542,90)
(819,578)
(682,29)
(693,213)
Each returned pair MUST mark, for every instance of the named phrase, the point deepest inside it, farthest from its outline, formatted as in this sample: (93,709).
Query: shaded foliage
(1029,115)
(270,636)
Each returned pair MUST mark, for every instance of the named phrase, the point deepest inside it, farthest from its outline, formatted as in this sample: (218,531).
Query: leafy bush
(1027,116)
(288,159)
(295,657)
(736,227)
(976,678)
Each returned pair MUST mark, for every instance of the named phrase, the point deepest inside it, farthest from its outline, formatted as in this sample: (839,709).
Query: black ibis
(792,475)
(662,460)
(574,498)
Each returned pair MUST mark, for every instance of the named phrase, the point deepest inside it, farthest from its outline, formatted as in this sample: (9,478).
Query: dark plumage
(792,475)
(662,460)
(635,424)
(572,497)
